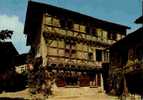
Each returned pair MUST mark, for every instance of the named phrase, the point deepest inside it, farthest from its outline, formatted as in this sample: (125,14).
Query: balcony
(73,34)
(133,66)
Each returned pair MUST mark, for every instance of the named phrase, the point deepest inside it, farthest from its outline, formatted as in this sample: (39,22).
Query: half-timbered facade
(127,69)
(72,45)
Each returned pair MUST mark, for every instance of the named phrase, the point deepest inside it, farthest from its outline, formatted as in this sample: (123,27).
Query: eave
(139,20)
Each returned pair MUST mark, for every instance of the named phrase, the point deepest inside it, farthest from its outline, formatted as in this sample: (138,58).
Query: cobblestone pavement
(84,93)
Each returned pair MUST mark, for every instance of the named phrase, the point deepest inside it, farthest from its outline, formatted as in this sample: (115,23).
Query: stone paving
(82,93)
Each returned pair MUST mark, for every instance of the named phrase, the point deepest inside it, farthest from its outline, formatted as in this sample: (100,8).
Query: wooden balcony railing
(133,66)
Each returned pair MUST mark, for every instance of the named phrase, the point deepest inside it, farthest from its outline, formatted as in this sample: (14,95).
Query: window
(111,36)
(82,28)
(114,36)
(70,53)
(90,56)
(66,24)
(99,33)
(98,55)
(48,20)
(104,34)
(67,52)
(70,42)
(79,28)
(63,23)
(119,36)
(139,53)
(70,24)
(93,31)
(70,48)
(106,55)
(87,29)
(56,22)
(76,27)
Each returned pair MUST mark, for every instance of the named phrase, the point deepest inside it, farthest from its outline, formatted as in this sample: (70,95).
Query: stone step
(80,91)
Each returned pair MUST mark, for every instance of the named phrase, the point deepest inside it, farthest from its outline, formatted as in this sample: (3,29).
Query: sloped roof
(36,8)
(129,41)
(8,49)
(35,11)
(7,55)
(139,20)
(21,59)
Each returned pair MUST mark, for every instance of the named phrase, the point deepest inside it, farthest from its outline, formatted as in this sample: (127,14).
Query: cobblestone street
(84,93)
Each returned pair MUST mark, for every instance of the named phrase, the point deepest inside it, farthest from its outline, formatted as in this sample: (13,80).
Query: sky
(13,12)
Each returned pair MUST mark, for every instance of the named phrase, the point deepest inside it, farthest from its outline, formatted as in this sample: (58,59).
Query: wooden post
(96,80)
(125,92)
(101,82)
(101,89)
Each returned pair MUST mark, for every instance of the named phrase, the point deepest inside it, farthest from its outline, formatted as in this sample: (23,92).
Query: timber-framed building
(72,45)
(126,71)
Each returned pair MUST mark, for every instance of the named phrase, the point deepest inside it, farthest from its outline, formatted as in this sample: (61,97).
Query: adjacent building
(7,55)
(7,65)
(72,45)
(21,63)
(126,71)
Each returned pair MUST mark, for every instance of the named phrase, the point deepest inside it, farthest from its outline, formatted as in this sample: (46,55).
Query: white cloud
(18,38)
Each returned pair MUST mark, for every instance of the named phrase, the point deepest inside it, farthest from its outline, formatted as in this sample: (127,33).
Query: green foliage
(6,34)
(39,79)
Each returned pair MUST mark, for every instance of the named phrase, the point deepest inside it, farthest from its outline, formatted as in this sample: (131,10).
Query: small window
(139,53)
(87,29)
(48,20)
(93,30)
(70,48)
(67,52)
(73,51)
(70,42)
(56,22)
(67,41)
(98,55)
(66,24)
(67,46)
(82,28)
(90,56)
(112,36)
(109,36)
(106,55)
(63,23)
(76,27)
(70,24)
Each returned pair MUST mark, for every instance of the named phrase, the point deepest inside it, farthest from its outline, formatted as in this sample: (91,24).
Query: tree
(5,34)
